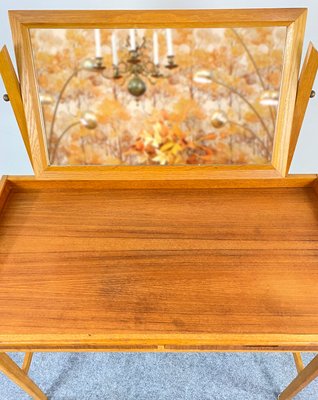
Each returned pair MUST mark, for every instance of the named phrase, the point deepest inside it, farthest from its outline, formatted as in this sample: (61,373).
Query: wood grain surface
(134,269)
(26,183)
(157,18)
(5,188)
(287,97)
(305,85)
(13,89)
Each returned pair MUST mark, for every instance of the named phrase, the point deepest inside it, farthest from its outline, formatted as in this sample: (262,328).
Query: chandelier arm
(147,59)
(125,67)
(111,78)
(144,70)
(148,76)
(257,70)
(53,156)
(107,76)
(147,69)
(253,135)
(249,104)
(150,80)
(151,68)
(70,78)
(165,76)
(124,80)
(143,44)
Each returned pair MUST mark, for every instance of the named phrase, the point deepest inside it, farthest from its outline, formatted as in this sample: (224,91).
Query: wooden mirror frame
(293,19)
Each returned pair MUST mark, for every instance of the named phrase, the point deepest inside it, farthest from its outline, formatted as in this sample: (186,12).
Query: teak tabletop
(146,268)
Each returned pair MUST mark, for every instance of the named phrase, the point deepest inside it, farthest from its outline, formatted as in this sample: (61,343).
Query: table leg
(298,361)
(308,374)
(20,377)
(27,362)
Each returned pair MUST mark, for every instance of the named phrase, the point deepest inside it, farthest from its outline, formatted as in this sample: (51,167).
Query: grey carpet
(160,376)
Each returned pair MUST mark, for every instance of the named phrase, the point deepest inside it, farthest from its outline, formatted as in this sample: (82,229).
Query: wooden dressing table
(159,258)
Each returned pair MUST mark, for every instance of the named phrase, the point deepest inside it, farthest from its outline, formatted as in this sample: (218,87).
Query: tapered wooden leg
(27,362)
(308,374)
(17,375)
(298,361)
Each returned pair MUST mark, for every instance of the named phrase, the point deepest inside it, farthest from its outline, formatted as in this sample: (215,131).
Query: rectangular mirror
(201,96)
(159,95)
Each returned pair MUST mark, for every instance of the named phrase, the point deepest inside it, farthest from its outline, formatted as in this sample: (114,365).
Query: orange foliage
(173,122)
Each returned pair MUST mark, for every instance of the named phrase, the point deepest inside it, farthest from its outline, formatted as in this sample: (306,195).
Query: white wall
(13,158)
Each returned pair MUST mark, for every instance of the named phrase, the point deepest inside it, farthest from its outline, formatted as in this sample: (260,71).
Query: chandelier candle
(98,47)
(132,38)
(155,48)
(114,49)
(169,43)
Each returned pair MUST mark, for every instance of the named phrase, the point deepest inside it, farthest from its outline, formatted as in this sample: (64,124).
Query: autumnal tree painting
(218,105)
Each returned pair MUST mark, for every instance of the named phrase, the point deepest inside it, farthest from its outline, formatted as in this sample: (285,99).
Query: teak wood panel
(158,18)
(221,269)
(22,21)
(5,188)
(306,81)
(287,97)
(13,89)
(259,181)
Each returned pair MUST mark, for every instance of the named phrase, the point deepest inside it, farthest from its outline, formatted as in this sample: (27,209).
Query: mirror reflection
(159,96)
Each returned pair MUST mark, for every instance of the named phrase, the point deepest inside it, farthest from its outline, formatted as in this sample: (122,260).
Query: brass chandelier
(138,66)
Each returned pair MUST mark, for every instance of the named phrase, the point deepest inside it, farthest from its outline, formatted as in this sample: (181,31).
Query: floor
(160,376)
